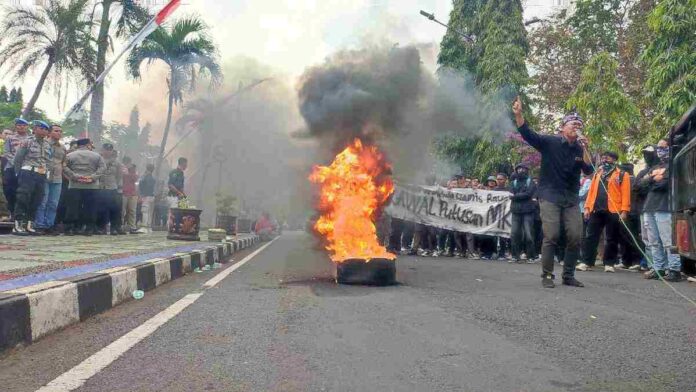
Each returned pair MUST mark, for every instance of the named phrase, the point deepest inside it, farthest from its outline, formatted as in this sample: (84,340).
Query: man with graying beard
(31,165)
(563,157)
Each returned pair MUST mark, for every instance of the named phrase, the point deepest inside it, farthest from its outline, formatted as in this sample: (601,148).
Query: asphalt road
(279,323)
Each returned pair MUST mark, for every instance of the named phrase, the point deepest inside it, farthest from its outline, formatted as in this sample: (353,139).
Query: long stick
(432,17)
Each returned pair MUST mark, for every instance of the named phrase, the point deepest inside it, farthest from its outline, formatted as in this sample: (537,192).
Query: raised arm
(534,139)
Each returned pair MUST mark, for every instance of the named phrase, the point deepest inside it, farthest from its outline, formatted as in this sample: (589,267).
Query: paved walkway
(23,258)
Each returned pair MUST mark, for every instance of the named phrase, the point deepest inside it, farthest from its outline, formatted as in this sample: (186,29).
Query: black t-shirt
(602,200)
(176,178)
(561,164)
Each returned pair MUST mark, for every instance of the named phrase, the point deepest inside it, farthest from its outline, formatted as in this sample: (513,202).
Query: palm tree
(131,18)
(56,35)
(188,52)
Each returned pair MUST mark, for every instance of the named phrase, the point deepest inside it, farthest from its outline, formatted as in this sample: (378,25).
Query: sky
(287,35)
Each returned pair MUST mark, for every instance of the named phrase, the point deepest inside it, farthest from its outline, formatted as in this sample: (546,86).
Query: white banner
(465,210)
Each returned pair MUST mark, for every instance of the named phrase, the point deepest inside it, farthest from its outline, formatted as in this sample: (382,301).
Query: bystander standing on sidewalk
(31,164)
(130,199)
(9,177)
(146,189)
(46,213)
(176,183)
(110,198)
(84,169)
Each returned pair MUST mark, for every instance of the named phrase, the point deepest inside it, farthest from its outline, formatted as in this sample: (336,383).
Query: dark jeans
(30,192)
(397,228)
(552,215)
(630,254)
(602,220)
(9,188)
(110,204)
(81,208)
(522,233)
(62,207)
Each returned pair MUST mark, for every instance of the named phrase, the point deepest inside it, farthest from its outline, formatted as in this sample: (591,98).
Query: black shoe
(121,232)
(547,282)
(100,232)
(673,276)
(573,282)
(69,232)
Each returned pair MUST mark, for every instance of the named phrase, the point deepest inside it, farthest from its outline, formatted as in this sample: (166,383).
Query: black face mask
(522,174)
(607,166)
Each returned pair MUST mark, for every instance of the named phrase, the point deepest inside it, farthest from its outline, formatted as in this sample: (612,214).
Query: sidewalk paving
(30,260)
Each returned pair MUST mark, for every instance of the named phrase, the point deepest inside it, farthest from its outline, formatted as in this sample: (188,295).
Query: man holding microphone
(563,157)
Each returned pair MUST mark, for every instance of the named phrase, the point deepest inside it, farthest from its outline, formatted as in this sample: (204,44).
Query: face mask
(662,152)
(606,166)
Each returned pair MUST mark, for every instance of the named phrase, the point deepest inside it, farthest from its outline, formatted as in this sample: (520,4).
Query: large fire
(353,188)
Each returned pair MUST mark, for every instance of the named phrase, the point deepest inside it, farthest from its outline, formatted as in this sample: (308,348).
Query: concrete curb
(30,313)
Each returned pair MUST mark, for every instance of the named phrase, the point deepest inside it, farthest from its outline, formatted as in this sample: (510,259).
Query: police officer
(84,169)
(9,177)
(31,165)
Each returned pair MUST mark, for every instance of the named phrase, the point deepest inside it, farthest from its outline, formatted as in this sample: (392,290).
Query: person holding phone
(563,157)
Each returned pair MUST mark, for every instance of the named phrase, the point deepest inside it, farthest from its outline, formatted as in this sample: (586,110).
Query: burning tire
(376,272)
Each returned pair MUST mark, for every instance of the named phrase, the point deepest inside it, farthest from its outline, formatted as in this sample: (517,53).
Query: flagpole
(144,32)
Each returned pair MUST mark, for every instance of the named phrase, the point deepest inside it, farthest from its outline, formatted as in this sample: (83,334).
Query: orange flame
(353,188)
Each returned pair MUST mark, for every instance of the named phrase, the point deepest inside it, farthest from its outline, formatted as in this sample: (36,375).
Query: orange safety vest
(618,191)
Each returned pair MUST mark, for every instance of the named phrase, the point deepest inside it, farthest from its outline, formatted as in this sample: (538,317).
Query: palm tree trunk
(37,91)
(96,110)
(163,145)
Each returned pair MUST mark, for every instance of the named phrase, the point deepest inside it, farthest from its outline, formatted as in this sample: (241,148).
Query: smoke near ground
(385,94)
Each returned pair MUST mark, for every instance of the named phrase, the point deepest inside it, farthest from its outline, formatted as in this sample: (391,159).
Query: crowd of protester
(51,189)
(625,217)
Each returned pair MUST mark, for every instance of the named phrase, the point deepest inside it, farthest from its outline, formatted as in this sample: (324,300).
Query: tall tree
(55,36)
(455,52)
(3,94)
(609,113)
(13,96)
(671,60)
(188,53)
(130,18)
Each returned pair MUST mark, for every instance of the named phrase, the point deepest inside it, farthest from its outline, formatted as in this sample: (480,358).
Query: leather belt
(37,169)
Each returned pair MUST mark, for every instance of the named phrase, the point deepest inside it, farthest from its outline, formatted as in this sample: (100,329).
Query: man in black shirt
(176,183)
(563,156)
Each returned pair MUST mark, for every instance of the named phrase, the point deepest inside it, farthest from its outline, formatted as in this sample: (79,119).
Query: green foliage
(14,97)
(476,157)
(607,110)
(496,63)
(9,111)
(3,94)
(56,35)
(671,60)
(455,53)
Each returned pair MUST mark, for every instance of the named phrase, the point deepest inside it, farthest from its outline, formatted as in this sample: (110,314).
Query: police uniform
(84,169)
(9,177)
(31,165)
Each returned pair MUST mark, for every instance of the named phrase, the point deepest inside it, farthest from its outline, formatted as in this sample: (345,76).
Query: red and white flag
(151,26)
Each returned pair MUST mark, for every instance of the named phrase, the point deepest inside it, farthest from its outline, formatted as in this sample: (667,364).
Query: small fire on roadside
(353,190)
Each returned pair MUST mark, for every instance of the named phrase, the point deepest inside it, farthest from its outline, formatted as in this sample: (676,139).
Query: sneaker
(523,257)
(133,231)
(511,260)
(608,268)
(644,269)
(652,274)
(534,260)
(573,282)
(19,229)
(621,266)
(583,267)
(547,282)
(474,255)
(635,267)
(673,276)
(31,230)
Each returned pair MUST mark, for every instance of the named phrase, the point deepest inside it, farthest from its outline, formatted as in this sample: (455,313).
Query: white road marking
(78,375)
(222,275)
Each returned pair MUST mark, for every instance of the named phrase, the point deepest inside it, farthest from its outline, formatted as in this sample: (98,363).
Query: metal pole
(432,17)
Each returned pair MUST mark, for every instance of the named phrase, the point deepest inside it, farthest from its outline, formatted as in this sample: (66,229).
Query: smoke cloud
(385,94)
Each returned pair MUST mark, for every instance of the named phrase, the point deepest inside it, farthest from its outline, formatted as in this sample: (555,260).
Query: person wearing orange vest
(608,202)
